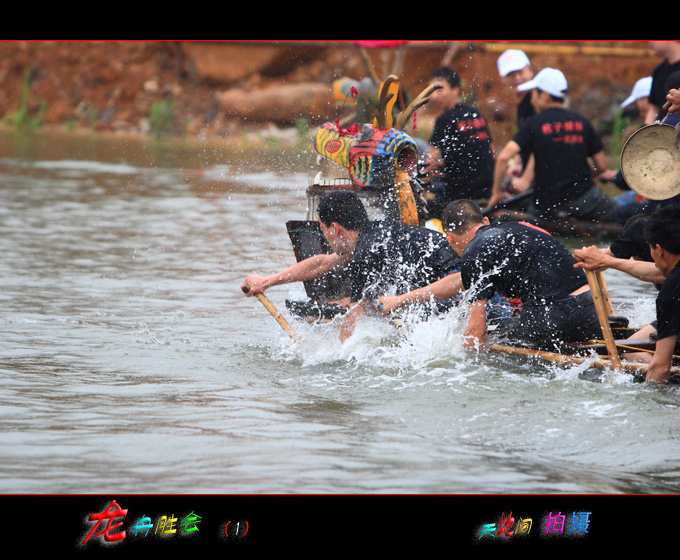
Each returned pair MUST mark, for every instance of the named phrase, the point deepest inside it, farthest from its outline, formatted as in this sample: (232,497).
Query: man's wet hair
(345,208)
(460,216)
(663,228)
(446,74)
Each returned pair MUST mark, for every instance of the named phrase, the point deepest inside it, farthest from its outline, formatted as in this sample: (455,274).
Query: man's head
(668,49)
(640,95)
(549,86)
(662,232)
(341,216)
(449,95)
(460,221)
(514,68)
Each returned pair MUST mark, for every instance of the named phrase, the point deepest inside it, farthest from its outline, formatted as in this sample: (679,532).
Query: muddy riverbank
(176,88)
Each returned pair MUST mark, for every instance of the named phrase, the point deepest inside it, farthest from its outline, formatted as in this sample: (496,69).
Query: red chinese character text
(109,514)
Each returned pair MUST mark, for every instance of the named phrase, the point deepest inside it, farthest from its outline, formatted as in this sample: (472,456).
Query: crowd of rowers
(393,265)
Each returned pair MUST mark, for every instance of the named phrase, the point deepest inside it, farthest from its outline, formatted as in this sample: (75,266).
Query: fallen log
(285,104)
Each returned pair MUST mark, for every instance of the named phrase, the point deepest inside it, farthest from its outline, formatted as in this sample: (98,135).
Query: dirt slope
(141,86)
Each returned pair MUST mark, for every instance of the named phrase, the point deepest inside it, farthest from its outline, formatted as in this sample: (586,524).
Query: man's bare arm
(596,259)
(308,269)
(475,333)
(660,366)
(445,288)
(510,150)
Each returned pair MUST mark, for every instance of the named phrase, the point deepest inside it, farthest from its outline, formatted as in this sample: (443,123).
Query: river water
(130,361)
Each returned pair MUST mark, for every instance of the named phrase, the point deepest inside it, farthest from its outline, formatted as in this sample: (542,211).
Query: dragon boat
(379,162)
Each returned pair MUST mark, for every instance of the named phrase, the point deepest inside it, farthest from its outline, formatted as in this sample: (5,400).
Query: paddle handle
(264,300)
(602,283)
(602,315)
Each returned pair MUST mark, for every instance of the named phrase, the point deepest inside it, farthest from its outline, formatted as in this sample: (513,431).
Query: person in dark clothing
(662,232)
(392,257)
(563,143)
(629,253)
(460,162)
(517,260)
(670,50)
(383,256)
(515,69)
(631,244)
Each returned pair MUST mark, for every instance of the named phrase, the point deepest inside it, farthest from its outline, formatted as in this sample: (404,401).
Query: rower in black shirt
(391,257)
(517,260)
(662,231)
(383,256)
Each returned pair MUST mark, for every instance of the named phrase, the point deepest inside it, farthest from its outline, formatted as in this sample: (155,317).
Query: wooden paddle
(601,302)
(558,358)
(638,369)
(508,202)
(264,300)
(602,283)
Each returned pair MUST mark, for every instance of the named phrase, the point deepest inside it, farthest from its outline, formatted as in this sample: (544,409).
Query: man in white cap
(515,69)
(640,96)
(562,143)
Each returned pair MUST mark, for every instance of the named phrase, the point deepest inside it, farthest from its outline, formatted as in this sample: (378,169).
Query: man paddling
(383,256)
(630,254)
(515,260)
(662,232)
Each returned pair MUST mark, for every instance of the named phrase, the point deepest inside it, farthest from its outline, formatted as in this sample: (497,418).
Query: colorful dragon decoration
(379,155)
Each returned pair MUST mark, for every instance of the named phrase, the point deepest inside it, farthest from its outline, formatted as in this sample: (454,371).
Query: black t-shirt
(632,243)
(525,109)
(668,306)
(391,257)
(517,260)
(463,137)
(660,87)
(561,141)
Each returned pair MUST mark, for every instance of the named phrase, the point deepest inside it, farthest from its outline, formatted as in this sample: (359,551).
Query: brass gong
(650,162)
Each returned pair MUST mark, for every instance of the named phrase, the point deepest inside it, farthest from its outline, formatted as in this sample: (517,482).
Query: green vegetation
(162,118)
(25,118)
(93,114)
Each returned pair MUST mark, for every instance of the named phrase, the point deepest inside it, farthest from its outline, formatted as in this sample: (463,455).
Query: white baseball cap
(641,89)
(549,80)
(511,61)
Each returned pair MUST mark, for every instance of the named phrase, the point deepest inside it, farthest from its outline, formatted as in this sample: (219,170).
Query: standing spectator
(670,50)
(460,161)
(515,69)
